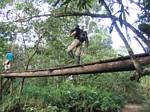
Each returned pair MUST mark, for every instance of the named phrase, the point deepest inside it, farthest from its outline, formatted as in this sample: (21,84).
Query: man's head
(77,26)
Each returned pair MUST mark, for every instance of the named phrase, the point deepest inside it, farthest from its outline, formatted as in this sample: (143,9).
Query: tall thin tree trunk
(29,60)
(1,80)
(137,65)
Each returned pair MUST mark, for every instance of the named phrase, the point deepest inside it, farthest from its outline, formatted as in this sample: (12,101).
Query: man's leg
(78,53)
(6,65)
(9,65)
(71,47)
(70,54)
(78,60)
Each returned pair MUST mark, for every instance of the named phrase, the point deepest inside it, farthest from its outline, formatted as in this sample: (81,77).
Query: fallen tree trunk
(112,65)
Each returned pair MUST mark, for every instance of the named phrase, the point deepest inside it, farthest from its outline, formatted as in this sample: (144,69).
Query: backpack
(83,36)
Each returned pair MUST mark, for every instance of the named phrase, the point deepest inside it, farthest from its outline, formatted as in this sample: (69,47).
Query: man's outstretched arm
(73,33)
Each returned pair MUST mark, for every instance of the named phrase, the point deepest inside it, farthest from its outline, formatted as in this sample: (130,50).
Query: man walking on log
(80,36)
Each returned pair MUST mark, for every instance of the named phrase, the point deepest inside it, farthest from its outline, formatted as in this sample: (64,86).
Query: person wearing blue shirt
(9,60)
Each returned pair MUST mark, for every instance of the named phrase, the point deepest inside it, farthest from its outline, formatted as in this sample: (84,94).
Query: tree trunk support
(21,86)
(1,90)
(11,86)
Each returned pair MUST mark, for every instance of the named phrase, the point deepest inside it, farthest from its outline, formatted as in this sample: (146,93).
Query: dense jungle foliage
(37,32)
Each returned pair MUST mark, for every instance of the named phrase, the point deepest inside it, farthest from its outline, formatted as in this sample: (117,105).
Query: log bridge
(104,66)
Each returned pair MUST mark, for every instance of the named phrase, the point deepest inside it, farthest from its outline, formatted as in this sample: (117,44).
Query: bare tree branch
(57,2)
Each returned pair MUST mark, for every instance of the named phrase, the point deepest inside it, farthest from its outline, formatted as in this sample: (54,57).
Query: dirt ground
(135,108)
